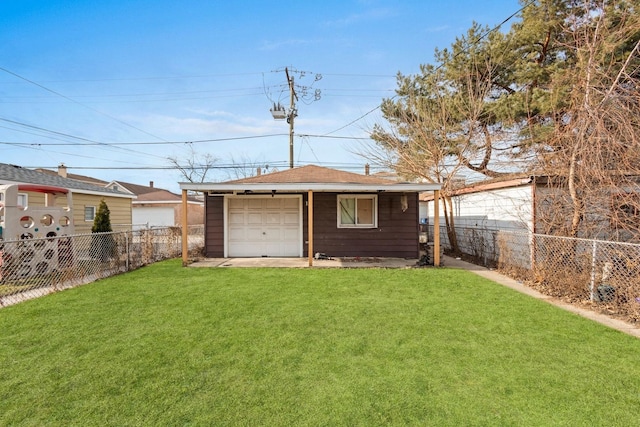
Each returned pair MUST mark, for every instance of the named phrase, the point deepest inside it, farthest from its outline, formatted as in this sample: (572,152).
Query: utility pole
(292,114)
(279,112)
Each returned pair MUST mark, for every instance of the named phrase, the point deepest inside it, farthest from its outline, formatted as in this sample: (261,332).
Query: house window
(23,200)
(357,211)
(89,213)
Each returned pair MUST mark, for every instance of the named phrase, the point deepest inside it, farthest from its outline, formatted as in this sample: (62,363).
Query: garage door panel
(236,204)
(254,233)
(236,218)
(291,219)
(253,203)
(273,203)
(237,234)
(273,217)
(290,204)
(254,218)
(290,234)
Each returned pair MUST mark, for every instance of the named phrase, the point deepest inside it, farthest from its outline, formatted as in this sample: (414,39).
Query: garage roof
(309,178)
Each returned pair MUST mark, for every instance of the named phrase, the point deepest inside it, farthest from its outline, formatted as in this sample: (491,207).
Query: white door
(264,226)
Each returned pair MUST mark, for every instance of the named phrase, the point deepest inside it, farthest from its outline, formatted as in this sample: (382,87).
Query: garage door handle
(264,233)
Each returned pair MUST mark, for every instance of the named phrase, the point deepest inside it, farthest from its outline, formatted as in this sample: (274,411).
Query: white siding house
(499,205)
(483,209)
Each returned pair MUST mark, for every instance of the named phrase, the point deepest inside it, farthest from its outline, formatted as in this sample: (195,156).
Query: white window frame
(93,216)
(372,197)
(23,197)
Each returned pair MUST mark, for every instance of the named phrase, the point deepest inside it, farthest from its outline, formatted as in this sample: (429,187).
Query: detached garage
(300,211)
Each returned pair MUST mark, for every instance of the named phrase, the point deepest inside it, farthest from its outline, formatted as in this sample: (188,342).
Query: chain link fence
(601,275)
(478,245)
(31,268)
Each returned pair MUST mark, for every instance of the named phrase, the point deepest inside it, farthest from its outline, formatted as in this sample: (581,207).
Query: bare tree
(194,167)
(244,167)
(441,125)
(594,150)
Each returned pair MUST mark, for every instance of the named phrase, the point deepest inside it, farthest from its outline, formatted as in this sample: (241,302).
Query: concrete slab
(304,262)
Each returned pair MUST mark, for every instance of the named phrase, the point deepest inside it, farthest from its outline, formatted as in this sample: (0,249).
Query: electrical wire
(87,141)
(116,144)
(78,103)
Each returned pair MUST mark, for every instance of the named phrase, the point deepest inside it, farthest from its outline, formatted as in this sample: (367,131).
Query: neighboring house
(62,171)
(156,207)
(86,197)
(302,211)
(505,204)
(536,204)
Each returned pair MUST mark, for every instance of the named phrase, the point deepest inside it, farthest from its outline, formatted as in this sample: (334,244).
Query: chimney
(151,184)
(259,171)
(366,169)
(62,170)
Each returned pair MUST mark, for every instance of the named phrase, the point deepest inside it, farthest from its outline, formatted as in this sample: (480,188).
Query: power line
(115,144)
(195,76)
(77,102)
(47,130)
(88,141)
(271,164)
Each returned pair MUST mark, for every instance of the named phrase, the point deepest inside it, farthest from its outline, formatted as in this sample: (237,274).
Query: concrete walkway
(494,276)
(409,263)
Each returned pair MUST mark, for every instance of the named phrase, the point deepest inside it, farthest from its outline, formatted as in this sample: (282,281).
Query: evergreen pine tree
(103,247)
(102,220)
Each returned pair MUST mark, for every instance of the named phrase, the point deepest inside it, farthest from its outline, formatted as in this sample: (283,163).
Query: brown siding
(396,235)
(214,228)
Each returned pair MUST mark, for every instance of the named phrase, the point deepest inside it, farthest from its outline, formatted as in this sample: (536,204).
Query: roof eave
(79,190)
(308,186)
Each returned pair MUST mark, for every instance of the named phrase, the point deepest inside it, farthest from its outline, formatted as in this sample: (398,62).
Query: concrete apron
(304,262)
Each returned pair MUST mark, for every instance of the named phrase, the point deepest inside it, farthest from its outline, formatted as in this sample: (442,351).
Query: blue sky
(143,80)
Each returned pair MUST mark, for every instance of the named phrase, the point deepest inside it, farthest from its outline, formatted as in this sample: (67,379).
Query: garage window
(357,211)
(89,213)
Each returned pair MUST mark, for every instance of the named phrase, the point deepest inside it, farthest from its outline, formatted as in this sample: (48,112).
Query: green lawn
(166,345)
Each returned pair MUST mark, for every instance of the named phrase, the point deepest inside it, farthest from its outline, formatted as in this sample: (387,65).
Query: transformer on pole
(279,113)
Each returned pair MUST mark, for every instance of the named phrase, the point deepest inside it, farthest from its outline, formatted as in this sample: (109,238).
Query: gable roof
(147,194)
(310,178)
(12,174)
(315,174)
(83,178)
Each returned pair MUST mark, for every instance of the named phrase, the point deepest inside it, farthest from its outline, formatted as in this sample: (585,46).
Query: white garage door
(154,217)
(264,226)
